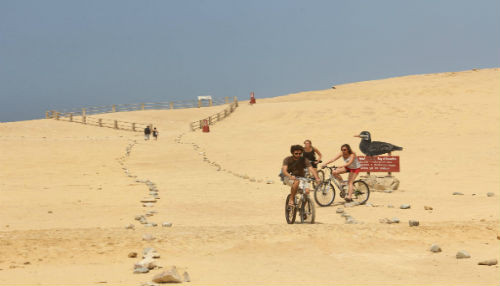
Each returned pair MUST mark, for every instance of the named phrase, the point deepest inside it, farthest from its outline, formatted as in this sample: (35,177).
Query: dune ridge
(66,199)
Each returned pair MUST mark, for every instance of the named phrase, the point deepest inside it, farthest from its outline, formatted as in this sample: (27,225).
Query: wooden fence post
(218,116)
(133,126)
(47,115)
(71,117)
(201,124)
(210,102)
(171,105)
(53,114)
(84,119)
(236,101)
(192,126)
(116,124)
(142,106)
(100,122)
(199,103)
(84,112)
(225,113)
(113,108)
(57,115)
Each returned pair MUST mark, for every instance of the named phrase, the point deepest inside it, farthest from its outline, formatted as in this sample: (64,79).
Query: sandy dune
(65,199)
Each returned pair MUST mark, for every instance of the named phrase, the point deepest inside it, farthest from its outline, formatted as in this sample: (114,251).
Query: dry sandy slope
(232,231)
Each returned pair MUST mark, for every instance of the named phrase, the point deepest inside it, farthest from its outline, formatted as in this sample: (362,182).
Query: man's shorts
(302,185)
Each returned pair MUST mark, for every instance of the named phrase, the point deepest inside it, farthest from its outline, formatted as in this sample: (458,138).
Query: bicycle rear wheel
(324,194)
(308,211)
(360,192)
(290,212)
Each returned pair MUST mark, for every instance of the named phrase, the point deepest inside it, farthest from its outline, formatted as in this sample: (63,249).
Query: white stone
(435,248)
(462,254)
(169,276)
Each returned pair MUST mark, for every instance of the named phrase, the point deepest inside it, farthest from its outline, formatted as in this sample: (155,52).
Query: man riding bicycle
(294,166)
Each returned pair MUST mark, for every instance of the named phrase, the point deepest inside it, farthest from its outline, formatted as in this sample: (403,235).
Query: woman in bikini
(351,166)
(310,153)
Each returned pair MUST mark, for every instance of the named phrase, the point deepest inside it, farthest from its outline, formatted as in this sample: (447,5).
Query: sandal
(348,200)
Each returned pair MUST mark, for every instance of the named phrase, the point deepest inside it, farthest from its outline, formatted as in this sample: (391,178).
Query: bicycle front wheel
(324,194)
(360,192)
(307,212)
(290,212)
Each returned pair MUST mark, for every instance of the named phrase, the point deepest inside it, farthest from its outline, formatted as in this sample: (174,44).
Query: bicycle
(303,203)
(324,193)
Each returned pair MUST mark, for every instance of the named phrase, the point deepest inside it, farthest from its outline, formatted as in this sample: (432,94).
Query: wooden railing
(101,122)
(198,124)
(139,106)
(81,115)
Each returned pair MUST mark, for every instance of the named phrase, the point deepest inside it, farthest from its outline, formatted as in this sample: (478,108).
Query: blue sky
(63,54)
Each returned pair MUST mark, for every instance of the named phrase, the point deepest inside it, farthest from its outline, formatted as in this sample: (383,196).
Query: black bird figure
(374,148)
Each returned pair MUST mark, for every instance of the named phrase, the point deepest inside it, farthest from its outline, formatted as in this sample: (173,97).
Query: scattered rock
(395,220)
(148,237)
(132,255)
(339,210)
(382,183)
(350,220)
(186,277)
(458,194)
(388,191)
(139,217)
(28,263)
(369,205)
(351,204)
(166,224)
(169,276)
(148,200)
(147,262)
(405,206)
(130,226)
(462,254)
(488,262)
(49,212)
(435,248)
(490,194)
(270,182)
(428,208)
(413,222)
(141,270)
(345,215)
(389,221)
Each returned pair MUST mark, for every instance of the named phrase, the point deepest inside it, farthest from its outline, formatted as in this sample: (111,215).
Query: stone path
(149,254)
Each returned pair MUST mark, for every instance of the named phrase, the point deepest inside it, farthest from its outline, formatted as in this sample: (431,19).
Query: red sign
(379,163)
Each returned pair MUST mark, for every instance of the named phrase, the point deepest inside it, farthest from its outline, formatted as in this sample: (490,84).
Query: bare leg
(336,173)
(352,177)
(293,191)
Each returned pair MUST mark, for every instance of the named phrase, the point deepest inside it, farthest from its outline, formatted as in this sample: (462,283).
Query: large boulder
(381,183)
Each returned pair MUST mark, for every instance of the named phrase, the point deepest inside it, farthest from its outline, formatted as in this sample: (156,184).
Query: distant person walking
(147,132)
(310,153)
(155,133)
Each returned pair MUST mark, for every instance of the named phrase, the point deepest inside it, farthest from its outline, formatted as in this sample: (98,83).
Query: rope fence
(198,124)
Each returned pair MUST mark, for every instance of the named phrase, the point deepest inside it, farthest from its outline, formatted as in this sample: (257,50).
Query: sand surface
(65,197)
